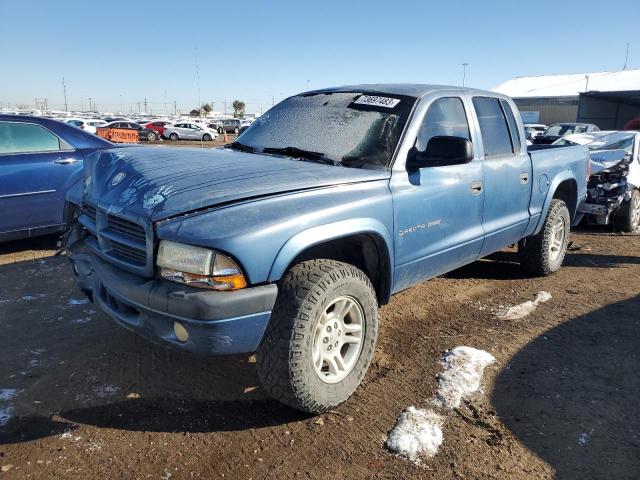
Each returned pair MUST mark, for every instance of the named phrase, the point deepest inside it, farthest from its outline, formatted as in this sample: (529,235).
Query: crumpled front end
(607,188)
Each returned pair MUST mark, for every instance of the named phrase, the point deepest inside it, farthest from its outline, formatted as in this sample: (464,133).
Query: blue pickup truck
(288,240)
(40,159)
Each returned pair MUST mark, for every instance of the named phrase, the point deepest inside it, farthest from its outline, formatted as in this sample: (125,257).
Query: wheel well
(567,191)
(364,251)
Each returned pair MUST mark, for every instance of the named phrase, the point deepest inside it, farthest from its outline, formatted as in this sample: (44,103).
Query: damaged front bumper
(216,323)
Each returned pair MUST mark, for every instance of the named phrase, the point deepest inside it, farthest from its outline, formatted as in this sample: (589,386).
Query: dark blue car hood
(160,182)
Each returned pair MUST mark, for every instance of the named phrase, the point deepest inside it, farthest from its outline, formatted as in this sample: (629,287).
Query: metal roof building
(608,99)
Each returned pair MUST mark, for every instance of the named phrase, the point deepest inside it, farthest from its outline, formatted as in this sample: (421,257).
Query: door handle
(65,161)
(524,178)
(476,187)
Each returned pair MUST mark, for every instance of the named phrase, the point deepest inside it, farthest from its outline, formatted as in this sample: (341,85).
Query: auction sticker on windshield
(372,100)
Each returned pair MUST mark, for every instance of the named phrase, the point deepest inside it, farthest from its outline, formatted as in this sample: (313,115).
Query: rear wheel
(543,254)
(628,218)
(321,336)
(173,136)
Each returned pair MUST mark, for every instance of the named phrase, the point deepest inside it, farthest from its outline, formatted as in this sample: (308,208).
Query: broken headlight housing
(198,267)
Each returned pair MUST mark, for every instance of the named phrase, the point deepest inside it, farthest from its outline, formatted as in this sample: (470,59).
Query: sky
(123,52)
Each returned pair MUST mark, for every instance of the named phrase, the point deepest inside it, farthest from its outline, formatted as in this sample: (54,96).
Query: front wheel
(543,253)
(206,137)
(628,218)
(321,336)
(151,136)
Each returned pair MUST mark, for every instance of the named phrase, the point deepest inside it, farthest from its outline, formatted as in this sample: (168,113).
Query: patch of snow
(78,301)
(463,369)
(417,433)
(584,438)
(32,297)
(69,436)
(526,308)
(80,321)
(5,415)
(105,390)
(4,301)
(7,394)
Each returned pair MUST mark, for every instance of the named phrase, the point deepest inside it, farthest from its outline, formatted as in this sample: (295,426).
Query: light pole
(464,72)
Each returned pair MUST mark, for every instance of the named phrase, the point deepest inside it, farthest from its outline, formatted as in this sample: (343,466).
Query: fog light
(181,332)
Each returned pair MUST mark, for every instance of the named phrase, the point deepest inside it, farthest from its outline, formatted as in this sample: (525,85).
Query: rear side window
(26,138)
(445,117)
(513,126)
(493,127)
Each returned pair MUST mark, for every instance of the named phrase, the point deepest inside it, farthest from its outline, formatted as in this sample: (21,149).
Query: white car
(88,125)
(532,130)
(189,131)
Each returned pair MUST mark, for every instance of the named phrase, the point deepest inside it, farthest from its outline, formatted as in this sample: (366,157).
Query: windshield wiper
(241,147)
(296,152)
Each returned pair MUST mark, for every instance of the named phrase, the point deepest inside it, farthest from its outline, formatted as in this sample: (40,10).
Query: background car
(159,126)
(559,130)
(41,159)
(143,132)
(532,130)
(231,126)
(189,131)
(89,125)
(215,125)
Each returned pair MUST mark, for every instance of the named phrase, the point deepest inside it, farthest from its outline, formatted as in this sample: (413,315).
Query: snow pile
(6,409)
(418,432)
(77,301)
(463,369)
(522,310)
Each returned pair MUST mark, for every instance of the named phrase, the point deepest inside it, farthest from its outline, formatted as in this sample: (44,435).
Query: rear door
(37,167)
(507,174)
(438,209)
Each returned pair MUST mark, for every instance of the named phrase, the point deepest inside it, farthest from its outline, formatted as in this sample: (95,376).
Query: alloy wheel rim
(557,238)
(338,339)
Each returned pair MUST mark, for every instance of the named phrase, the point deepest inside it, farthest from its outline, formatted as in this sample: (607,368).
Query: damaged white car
(613,194)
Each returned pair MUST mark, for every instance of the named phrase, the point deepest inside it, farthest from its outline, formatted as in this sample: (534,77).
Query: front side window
(445,117)
(26,138)
(493,127)
(355,128)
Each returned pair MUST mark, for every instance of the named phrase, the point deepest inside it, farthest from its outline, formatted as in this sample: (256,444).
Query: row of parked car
(151,130)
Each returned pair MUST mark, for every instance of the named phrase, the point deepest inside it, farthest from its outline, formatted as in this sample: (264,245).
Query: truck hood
(602,160)
(161,182)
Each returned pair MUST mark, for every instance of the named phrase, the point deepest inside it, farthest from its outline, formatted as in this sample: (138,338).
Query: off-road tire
(174,137)
(284,358)
(625,220)
(534,251)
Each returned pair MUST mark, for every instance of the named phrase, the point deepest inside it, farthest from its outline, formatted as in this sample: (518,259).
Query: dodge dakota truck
(287,241)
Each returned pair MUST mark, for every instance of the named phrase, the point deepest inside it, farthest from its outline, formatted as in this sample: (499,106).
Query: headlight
(198,267)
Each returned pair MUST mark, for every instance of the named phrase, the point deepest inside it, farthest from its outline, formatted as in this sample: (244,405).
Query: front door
(437,210)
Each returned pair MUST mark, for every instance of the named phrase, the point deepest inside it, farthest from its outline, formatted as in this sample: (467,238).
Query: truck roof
(410,89)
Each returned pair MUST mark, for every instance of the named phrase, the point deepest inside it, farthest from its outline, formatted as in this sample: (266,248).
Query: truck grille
(119,240)
(126,227)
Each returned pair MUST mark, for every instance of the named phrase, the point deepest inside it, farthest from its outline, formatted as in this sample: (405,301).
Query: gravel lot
(84,398)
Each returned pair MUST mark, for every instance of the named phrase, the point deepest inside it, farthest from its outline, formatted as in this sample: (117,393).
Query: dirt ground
(93,400)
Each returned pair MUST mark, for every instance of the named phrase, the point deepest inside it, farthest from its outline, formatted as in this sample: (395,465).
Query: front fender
(331,231)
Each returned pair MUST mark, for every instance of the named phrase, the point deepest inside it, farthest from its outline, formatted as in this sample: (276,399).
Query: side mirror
(441,151)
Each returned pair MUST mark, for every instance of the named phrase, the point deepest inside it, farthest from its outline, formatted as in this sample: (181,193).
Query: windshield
(353,129)
(560,130)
